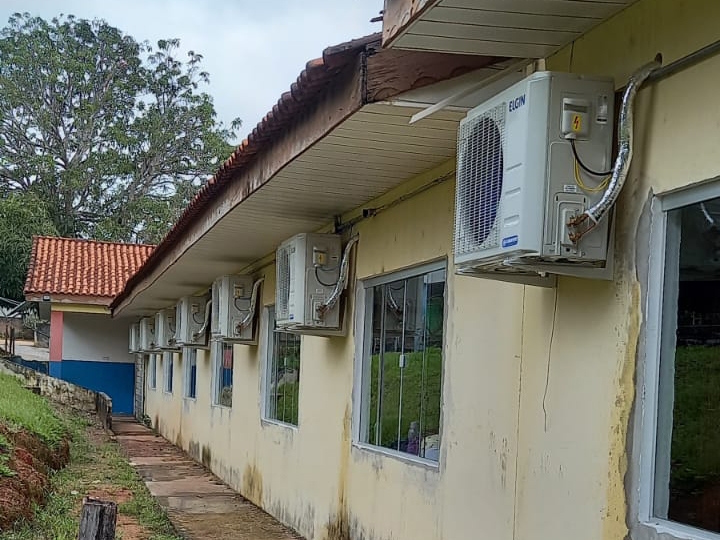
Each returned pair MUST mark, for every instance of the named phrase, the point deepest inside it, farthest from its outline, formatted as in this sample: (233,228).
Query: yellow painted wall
(80,308)
(538,383)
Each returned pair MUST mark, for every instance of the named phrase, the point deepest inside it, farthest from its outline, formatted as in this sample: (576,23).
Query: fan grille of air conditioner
(283,276)
(481,141)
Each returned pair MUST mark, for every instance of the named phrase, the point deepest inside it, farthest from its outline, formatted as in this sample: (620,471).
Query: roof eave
(399,15)
(369,75)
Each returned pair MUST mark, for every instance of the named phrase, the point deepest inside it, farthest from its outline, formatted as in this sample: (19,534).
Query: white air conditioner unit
(233,317)
(134,344)
(165,329)
(517,186)
(147,334)
(191,323)
(308,269)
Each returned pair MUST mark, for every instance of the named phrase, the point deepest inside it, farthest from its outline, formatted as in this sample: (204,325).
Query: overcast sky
(253,50)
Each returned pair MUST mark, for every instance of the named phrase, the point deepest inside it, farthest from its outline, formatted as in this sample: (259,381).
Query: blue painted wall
(55,369)
(116,379)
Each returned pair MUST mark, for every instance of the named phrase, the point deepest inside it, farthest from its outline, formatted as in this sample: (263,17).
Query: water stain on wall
(338,527)
(253,485)
(206,456)
(194,450)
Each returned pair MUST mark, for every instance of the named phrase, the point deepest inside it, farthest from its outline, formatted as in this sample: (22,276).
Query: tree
(21,217)
(115,136)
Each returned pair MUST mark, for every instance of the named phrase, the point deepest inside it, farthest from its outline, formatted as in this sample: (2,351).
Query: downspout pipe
(625,154)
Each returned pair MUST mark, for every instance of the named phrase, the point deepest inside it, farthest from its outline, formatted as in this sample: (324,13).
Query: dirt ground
(127,527)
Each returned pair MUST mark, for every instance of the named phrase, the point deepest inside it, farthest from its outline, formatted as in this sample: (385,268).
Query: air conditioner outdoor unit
(190,320)
(233,317)
(147,334)
(165,330)
(134,344)
(519,183)
(308,270)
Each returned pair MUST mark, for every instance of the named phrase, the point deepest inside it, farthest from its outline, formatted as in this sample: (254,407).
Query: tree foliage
(114,136)
(21,217)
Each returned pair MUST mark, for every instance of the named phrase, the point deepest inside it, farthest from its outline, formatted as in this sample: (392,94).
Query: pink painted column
(56,342)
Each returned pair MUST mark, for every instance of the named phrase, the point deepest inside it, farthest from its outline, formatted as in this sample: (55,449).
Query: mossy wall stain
(252,485)
(194,450)
(206,455)
(338,527)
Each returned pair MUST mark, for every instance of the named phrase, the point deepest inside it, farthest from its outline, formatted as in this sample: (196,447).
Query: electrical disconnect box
(233,308)
(134,345)
(520,181)
(147,335)
(192,320)
(165,329)
(308,271)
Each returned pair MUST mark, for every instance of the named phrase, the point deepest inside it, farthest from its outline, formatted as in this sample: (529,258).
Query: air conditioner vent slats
(480,181)
(283,282)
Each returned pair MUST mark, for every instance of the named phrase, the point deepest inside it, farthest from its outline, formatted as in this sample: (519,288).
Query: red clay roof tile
(75,267)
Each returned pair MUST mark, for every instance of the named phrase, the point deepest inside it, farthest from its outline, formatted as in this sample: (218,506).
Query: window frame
(217,359)
(269,342)
(168,360)
(649,403)
(363,339)
(189,354)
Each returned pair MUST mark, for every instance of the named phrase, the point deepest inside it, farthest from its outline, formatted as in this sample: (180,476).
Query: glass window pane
(689,417)
(405,365)
(152,362)
(283,375)
(168,358)
(190,362)
(225,373)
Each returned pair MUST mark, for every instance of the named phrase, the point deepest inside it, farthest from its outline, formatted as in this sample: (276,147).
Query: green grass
(96,463)
(21,408)
(420,396)
(5,450)
(287,403)
(696,416)
(286,351)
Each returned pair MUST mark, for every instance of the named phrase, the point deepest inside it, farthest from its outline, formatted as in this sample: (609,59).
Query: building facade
(74,282)
(459,407)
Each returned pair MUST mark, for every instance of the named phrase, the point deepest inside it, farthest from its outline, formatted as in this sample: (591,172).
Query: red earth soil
(31,459)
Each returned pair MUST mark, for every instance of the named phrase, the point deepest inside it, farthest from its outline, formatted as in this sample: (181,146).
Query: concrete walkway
(28,351)
(198,503)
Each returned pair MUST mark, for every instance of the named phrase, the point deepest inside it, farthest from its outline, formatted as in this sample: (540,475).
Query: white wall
(95,337)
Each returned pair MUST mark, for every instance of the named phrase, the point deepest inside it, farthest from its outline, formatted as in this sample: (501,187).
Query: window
(683,362)
(168,361)
(152,371)
(403,361)
(223,373)
(190,364)
(282,378)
